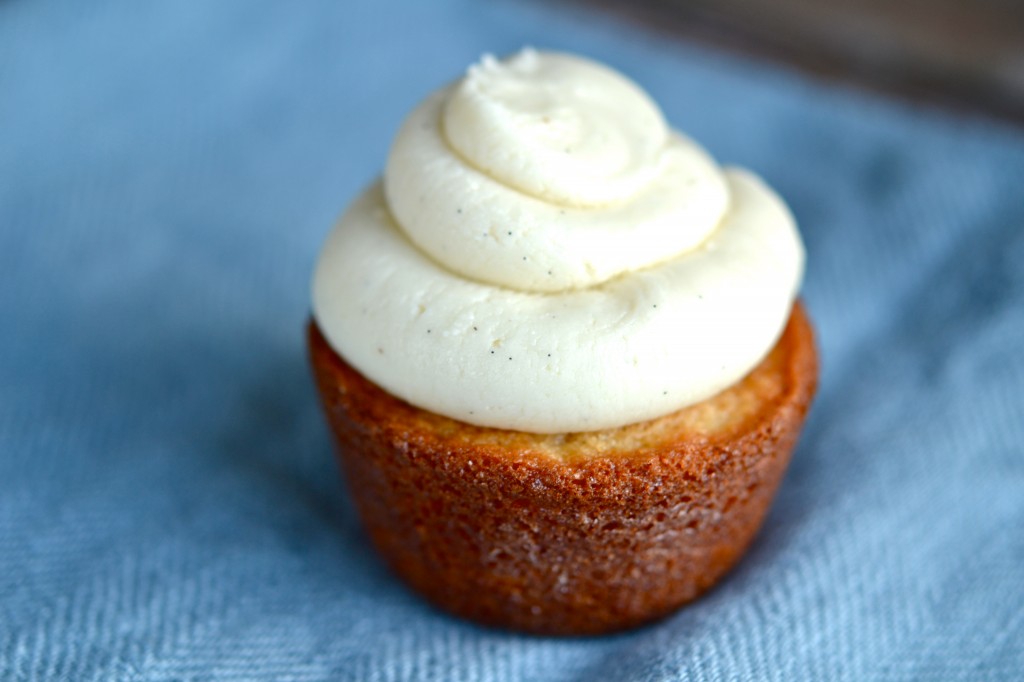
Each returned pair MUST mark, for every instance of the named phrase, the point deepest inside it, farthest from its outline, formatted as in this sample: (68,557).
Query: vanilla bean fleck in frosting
(545,254)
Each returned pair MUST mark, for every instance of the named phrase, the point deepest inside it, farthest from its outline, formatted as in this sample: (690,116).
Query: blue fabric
(169,504)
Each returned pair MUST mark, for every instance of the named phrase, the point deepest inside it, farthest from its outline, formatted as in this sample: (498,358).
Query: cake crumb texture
(568,534)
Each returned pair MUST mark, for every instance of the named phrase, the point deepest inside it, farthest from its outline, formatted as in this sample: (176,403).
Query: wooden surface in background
(965,54)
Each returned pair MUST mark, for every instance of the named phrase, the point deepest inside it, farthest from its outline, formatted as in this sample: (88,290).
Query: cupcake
(560,350)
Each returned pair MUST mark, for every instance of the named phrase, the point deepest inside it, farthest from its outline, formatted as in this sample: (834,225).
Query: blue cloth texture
(170,508)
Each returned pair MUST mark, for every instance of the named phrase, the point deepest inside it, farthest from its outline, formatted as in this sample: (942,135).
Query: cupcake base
(568,534)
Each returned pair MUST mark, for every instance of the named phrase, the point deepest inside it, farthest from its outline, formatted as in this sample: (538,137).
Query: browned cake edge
(492,526)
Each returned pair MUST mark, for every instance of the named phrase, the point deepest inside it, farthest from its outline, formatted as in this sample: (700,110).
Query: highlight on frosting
(544,253)
(558,128)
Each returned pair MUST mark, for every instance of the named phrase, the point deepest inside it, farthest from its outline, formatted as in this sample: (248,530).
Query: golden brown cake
(576,533)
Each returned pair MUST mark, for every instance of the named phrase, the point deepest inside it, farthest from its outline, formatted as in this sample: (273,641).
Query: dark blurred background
(963,54)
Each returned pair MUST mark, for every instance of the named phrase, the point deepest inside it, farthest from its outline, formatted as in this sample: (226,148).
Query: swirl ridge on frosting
(545,254)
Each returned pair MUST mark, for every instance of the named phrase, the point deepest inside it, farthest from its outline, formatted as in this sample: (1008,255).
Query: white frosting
(499,279)
(557,127)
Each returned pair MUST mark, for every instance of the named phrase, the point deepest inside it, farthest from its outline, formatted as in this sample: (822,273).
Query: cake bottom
(568,534)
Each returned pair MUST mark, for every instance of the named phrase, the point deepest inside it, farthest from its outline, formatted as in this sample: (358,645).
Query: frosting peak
(549,172)
(561,128)
(545,254)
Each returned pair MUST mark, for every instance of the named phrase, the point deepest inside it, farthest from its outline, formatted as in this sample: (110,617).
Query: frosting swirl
(560,174)
(545,254)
